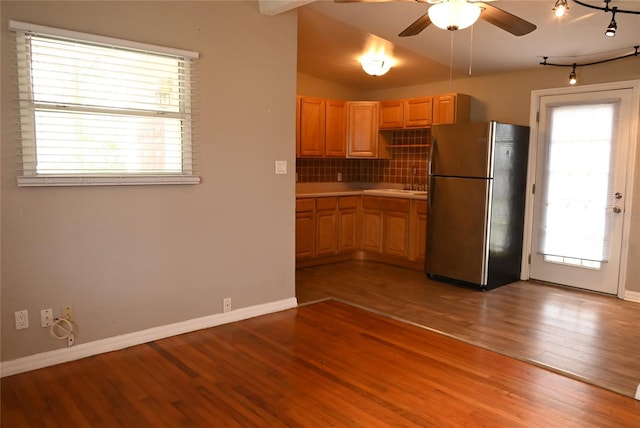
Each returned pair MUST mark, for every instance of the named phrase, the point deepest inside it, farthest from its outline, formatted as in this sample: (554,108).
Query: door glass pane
(576,219)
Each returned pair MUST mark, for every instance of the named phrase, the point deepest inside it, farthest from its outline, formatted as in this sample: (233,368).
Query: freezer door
(457,229)
(462,150)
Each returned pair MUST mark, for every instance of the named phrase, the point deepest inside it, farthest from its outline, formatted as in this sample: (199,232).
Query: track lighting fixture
(611,29)
(613,26)
(560,8)
(573,79)
(572,75)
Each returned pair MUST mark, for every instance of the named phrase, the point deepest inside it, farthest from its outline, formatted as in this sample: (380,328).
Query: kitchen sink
(396,192)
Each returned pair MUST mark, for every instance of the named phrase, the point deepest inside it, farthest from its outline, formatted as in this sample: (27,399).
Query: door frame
(634,136)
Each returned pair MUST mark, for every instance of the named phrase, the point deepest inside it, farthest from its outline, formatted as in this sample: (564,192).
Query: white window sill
(50,181)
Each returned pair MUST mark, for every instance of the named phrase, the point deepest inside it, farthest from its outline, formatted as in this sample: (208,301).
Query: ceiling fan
(485,11)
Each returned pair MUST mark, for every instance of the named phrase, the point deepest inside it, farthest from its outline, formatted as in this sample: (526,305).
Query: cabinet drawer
(396,204)
(372,203)
(421,207)
(307,204)
(329,203)
(348,202)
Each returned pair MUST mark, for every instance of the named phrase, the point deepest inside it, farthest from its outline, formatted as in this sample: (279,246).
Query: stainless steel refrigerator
(477,180)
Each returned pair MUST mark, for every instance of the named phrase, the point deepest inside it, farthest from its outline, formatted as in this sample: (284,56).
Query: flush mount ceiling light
(376,65)
(613,26)
(454,14)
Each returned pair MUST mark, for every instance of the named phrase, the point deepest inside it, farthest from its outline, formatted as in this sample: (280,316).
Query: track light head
(572,75)
(613,26)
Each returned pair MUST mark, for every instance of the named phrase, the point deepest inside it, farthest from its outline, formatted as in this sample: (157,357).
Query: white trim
(632,296)
(26,27)
(634,136)
(638,392)
(46,359)
(28,181)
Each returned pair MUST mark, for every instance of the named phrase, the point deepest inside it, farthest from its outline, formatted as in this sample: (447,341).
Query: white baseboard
(50,358)
(633,296)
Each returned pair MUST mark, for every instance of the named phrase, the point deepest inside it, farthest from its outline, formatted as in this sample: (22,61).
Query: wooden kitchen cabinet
(312,129)
(363,139)
(321,127)
(386,229)
(385,226)
(407,113)
(418,112)
(305,228)
(335,129)
(348,220)
(395,227)
(391,114)
(418,231)
(326,226)
(451,108)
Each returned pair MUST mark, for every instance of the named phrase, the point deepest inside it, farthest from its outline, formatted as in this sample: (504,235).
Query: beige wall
(132,258)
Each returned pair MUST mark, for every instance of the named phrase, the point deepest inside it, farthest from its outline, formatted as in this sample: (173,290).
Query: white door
(579,198)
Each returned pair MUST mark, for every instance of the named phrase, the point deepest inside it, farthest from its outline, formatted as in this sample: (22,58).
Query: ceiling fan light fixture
(560,8)
(376,65)
(454,14)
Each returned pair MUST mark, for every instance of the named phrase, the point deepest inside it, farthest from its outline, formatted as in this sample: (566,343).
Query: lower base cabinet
(380,228)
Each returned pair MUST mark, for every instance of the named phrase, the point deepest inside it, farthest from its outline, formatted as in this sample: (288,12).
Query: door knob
(617,210)
(618,195)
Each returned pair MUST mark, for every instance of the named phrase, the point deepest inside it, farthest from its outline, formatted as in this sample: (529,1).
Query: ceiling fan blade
(418,25)
(505,20)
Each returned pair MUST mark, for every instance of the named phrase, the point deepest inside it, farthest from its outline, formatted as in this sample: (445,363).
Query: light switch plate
(281,167)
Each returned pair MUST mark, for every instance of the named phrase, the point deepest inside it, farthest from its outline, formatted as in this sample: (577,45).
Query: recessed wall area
(397,170)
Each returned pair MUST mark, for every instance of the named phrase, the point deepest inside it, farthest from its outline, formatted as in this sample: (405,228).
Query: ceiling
(332,36)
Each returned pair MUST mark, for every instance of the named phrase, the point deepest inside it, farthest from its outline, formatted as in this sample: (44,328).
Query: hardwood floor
(319,365)
(584,335)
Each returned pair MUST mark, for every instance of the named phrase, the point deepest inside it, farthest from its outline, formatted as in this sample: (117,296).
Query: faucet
(413,174)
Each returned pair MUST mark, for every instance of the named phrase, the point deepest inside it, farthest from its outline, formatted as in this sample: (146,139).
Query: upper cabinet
(336,129)
(321,127)
(422,112)
(363,138)
(311,126)
(418,112)
(451,108)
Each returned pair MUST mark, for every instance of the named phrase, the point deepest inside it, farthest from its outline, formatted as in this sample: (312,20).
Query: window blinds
(92,106)
(580,150)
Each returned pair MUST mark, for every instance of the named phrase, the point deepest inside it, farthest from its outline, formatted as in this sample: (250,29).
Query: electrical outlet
(46,317)
(226,304)
(22,319)
(67,313)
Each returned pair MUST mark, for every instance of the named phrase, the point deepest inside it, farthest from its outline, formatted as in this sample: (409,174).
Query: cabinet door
(372,223)
(312,126)
(348,224)
(391,115)
(444,109)
(336,129)
(362,127)
(396,227)
(418,112)
(305,229)
(326,226)
(418,233)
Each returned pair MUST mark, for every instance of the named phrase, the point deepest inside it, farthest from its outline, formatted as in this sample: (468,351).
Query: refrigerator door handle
(432,150)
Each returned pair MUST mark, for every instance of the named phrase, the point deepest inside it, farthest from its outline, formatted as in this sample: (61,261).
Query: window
(96,110)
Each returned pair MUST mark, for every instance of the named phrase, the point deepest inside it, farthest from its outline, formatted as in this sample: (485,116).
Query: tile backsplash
(397,170)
